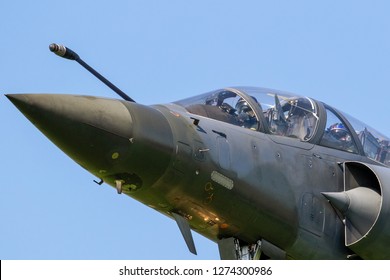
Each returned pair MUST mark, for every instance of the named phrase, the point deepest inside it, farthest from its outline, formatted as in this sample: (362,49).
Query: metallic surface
(239,186)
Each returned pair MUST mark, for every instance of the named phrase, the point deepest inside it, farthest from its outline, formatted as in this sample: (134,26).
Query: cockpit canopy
(258,109)
(287,115)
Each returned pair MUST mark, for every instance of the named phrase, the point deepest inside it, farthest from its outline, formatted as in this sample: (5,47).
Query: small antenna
(67,53)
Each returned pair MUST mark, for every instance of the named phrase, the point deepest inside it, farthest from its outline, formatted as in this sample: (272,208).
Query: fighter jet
(263,173)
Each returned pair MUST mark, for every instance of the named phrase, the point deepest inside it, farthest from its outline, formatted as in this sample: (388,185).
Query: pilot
(341,135)
(339,132)
(245,114)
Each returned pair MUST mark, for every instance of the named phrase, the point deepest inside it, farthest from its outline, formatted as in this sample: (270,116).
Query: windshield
(285,114)
(227,105)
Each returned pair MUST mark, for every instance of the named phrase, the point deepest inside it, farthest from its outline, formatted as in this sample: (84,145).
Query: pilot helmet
(339,131)
(242,106)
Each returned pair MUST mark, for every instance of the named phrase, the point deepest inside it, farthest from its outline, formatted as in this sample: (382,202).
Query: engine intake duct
(365,204)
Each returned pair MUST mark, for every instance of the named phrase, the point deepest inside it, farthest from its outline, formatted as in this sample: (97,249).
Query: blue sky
(158,52)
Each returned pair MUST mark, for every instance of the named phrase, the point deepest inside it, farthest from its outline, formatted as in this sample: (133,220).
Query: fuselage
(253,175)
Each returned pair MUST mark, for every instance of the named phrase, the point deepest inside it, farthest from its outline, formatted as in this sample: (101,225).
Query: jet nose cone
(115,140)
(88,129)
(14,98)
(55,111)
